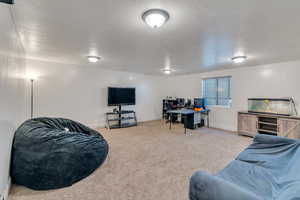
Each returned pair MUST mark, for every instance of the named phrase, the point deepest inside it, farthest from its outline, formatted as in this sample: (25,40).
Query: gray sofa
(269,169)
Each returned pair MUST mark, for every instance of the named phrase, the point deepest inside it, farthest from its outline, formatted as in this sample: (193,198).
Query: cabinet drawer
(247,124)
(288,126)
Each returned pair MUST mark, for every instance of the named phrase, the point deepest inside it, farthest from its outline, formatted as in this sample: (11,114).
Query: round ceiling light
(167,70)
(155,18)
(239,59)
(93,59)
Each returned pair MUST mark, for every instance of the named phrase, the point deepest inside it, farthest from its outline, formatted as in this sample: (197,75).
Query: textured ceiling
(201,35)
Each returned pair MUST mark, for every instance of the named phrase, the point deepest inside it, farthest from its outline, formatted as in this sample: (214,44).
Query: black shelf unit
(121,119)
(176,104)
(268,125)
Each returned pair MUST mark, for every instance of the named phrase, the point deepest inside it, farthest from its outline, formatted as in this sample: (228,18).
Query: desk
(184,113)
(206,113)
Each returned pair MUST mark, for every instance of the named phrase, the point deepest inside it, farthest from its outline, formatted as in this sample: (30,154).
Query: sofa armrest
(204,186)
(262,139)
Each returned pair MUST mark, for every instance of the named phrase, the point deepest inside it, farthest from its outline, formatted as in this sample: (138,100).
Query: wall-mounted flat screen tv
(121,96)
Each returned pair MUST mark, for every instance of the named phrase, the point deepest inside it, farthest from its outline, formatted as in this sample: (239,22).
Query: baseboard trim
(226,130)
(7,189)
(101,125)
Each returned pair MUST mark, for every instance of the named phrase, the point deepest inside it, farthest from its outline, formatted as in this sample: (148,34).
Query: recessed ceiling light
(239,59)
(155,18)
(31,76)
(167,70)
(93,59)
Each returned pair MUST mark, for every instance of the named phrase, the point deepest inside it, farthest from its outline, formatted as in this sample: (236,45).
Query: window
(216,91)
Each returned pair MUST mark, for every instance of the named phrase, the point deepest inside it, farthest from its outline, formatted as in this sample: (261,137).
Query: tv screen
(121,96)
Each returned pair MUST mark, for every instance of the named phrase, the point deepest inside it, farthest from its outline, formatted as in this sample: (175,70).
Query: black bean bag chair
(51,153)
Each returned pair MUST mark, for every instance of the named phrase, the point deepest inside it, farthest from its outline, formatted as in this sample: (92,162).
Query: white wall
(274,80)
(12,90)
(80,92)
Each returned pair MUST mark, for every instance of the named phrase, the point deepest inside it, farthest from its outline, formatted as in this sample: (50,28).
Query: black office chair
(169,106)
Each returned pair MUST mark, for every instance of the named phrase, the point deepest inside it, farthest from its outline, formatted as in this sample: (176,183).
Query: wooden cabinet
(251,124)
(288,126)
(247,124)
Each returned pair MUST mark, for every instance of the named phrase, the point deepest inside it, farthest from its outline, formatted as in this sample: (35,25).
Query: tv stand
(121,119)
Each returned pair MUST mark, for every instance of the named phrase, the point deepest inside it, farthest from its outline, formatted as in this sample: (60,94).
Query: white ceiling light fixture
(239,59)
(32,76)
(167,70)
(155,18)
(93,59)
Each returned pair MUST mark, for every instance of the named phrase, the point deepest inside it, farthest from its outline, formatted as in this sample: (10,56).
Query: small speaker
(8,1)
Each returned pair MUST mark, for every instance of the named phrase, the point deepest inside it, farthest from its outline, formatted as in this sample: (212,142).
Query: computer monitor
(188,102)
(199,103)
(180,101)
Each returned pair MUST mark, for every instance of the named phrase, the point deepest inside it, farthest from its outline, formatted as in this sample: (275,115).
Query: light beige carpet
(148,162)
